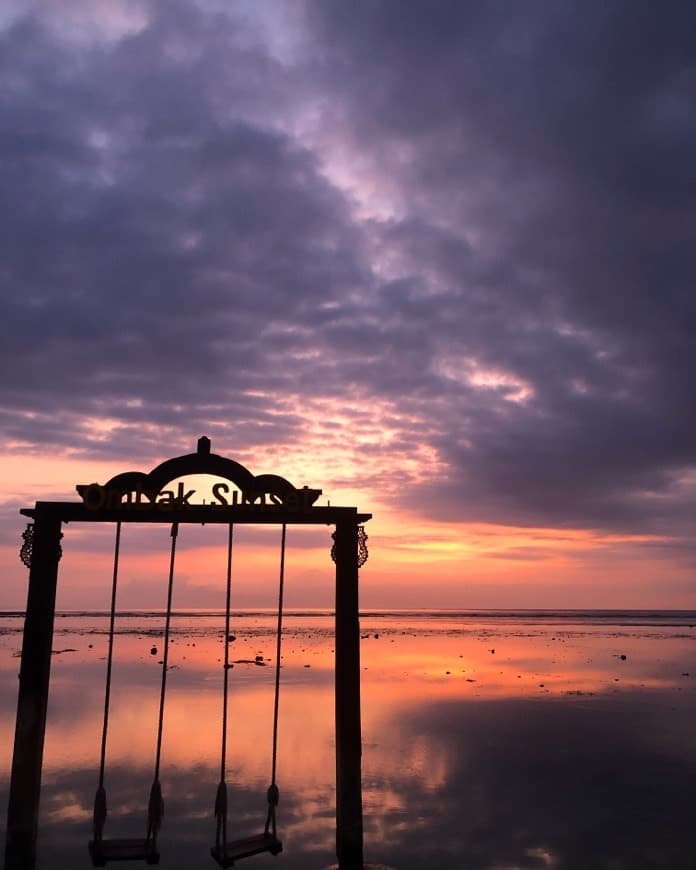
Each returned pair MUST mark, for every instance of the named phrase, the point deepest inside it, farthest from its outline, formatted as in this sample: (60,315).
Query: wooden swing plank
(245,848)
(124,849)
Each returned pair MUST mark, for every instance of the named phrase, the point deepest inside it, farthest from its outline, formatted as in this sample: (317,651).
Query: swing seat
(234,850)
(123,849)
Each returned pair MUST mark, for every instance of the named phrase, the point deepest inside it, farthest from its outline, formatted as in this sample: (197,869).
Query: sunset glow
(432,262)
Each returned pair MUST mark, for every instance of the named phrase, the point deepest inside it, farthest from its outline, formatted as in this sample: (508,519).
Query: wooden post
(349,825)
(25,783)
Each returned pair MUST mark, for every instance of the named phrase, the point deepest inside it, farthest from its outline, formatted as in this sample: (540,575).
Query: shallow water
(491,740)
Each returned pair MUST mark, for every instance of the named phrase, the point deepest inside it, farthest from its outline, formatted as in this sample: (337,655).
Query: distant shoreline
(640,616)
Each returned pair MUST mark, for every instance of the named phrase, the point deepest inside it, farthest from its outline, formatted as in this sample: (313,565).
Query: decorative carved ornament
(362,546)
(27,548)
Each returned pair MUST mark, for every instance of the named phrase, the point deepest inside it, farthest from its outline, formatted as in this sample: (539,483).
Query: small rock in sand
(153,651)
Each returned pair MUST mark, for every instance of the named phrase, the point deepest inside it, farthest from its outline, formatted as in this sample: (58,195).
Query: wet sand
(489,742)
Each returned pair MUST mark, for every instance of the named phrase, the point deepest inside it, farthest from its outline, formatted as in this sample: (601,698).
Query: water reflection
(550,751)
(535,784)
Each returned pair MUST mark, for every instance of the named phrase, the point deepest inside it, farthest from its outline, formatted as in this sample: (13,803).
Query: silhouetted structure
(136,497)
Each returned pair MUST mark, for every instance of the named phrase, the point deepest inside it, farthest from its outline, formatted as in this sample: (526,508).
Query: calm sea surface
(492,740)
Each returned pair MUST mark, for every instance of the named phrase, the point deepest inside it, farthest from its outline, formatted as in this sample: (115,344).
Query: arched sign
(137,489)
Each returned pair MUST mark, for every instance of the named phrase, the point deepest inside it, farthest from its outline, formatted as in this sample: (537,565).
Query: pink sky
(414,562)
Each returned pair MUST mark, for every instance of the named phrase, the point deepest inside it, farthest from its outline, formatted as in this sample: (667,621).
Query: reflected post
(349,822)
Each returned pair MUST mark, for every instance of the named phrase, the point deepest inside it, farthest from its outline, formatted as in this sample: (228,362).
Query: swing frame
(268,499)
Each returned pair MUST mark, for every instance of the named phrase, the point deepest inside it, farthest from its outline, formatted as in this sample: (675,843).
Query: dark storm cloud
(177,248)
(161,248)
(544,156)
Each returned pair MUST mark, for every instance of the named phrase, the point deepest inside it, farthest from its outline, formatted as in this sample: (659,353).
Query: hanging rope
(99,817)
(268,840)
(273,794)
(155,809)
(221,796)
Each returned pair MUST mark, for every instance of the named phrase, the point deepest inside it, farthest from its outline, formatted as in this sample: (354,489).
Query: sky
(436,259)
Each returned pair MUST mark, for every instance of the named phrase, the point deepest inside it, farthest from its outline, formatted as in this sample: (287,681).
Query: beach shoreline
(492,717)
